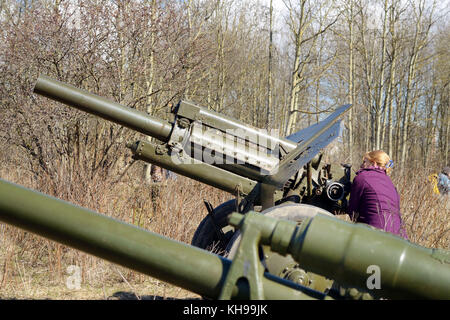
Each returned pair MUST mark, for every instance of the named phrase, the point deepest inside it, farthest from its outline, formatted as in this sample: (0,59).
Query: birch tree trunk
(380,89)
(351,93)
(420,40)
(392,68)
(269,116)
(150,81)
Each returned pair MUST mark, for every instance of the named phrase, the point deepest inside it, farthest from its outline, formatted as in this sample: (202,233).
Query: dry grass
(33,267)
(426,215)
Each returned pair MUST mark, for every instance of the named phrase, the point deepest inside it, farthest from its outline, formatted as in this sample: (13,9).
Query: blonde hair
(379,158)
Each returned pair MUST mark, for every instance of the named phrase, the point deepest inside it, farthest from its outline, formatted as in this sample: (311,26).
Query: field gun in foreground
(325,245)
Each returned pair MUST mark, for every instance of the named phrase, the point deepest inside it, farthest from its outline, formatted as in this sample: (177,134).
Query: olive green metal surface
(94,104)
(194,169)
(168,260)
(349,253)
(313,139)
(222,122)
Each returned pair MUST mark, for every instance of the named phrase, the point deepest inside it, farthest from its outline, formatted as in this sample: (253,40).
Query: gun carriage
(278,229)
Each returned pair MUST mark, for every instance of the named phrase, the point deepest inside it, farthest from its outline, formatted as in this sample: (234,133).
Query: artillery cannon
(256,166)
(282,178)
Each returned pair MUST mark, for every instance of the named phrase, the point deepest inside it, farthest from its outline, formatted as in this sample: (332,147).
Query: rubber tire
(205,235)
(291,211)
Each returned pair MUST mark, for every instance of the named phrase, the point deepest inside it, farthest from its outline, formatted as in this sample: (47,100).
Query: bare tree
(305,28)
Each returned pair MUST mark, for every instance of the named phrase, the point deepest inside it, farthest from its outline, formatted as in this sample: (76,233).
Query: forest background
(283,64)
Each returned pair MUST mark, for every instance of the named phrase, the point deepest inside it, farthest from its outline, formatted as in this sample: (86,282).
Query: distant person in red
(374,200)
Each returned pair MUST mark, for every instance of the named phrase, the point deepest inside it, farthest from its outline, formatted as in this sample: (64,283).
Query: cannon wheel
(215,235)
(286,267)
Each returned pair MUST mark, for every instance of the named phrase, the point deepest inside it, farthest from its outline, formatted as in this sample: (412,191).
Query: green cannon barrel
(168,260)
(94,104)
(194,169)
(357,255)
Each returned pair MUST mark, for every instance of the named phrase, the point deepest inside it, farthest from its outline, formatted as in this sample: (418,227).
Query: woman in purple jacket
(374,200)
